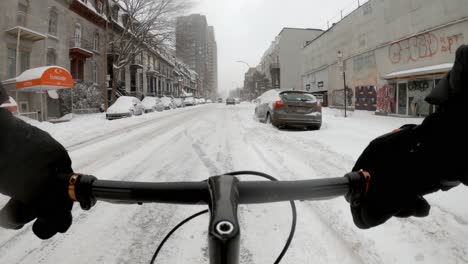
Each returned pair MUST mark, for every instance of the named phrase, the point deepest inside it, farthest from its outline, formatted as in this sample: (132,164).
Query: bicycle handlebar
(222,194)
(250,192)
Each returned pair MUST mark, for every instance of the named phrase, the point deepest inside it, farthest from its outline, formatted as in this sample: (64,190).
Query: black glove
(417,160)
(34,172)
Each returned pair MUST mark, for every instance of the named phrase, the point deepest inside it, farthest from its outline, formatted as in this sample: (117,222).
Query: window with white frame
(51,57)
(11,63)
(96,42)
(94,69)
(53,18)
(21,14)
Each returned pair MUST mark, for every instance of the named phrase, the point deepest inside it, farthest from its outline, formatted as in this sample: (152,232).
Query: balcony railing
(81,43)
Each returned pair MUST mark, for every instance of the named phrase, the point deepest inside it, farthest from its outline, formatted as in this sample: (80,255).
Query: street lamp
(244,63)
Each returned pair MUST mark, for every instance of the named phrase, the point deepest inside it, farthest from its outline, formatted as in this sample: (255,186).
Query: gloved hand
(417,160)
(34,172)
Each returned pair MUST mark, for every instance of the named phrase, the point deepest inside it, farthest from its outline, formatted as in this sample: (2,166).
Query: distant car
(220,100)
(168,103)
(289,108)
(10,105)
(149,104)
(124,106)
(189,101)
(209,101)
(237,100)
(230,100)
(202,100)
(178,102)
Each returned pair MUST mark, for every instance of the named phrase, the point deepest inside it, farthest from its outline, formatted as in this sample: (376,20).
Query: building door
(402,98)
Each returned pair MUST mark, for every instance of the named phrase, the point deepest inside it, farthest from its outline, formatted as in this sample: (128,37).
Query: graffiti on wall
(366,98)
(386,99)
(423,46)
(451,43)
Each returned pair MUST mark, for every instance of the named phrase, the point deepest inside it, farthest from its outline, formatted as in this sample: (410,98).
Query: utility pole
(341,69)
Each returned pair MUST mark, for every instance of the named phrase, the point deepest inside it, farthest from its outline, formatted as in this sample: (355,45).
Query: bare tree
(139,25)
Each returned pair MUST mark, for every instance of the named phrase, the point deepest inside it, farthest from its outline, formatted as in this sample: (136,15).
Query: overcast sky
(244,29)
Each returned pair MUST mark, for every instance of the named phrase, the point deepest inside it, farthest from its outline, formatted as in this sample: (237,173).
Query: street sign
(340,62)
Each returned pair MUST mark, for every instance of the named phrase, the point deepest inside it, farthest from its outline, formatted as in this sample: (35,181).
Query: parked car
(202,100)
(159,105)
(124,106)
(237,100)
(178,102)
(289,108)
(189,101)
(149,104)
(230,100)
(168,103)
(10,105)
(220,100)
(209,101)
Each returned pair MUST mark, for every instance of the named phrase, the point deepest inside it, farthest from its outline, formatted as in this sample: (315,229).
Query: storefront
(34,87)
(406,90)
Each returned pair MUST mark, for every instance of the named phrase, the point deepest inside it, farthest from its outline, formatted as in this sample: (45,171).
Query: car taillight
(279,104)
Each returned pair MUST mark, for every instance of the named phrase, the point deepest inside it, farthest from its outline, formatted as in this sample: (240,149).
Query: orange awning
(44,79)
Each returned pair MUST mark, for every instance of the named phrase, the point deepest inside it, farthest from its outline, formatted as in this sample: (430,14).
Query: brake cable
(235,173)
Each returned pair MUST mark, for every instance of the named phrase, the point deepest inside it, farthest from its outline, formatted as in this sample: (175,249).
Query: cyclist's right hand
(402,171)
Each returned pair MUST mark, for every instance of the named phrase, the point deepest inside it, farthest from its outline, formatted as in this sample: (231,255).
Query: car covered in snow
(237,100)
(178,102)
(10,105)
(209,101)
(189,101)
(149,104)
(284,108)
(168,102)
(124,106)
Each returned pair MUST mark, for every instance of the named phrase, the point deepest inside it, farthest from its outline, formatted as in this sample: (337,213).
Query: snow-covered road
(194,143)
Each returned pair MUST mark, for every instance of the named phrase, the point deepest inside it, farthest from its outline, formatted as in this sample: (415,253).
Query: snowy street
(193,143)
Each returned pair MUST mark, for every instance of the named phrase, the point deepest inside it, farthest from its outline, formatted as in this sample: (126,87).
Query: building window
(51,57)
(11,63)
(24,62)
(115,12)
(53,17)
(77,38)
(22,12)
(96,42)
(94,69)
(24,107)
(99,7)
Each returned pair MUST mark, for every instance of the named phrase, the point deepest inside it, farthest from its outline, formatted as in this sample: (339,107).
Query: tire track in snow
(11,242)
(272,147)
(279,141)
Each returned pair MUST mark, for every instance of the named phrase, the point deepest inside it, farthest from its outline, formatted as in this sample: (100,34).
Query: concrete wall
(290,47)
(385,36)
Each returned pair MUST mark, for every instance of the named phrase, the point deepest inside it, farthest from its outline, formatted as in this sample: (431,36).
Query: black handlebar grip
(80,190)
(359,182)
